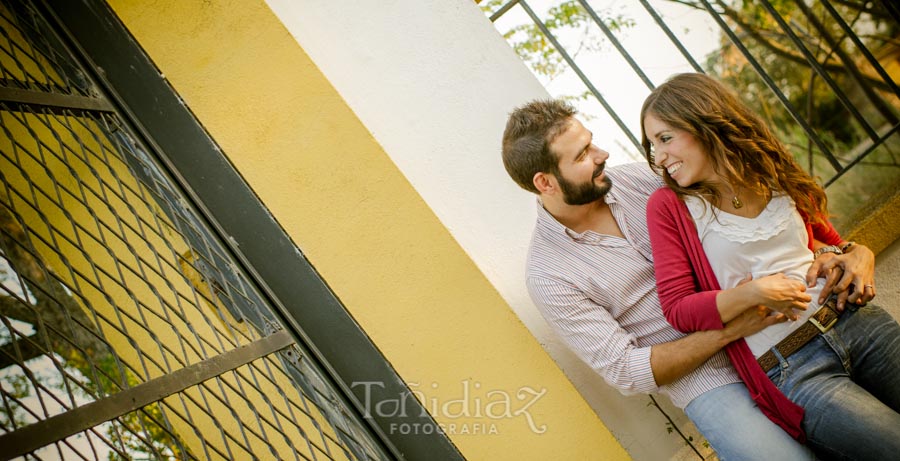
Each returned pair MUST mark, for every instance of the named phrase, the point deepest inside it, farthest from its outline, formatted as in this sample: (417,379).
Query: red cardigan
(687,289)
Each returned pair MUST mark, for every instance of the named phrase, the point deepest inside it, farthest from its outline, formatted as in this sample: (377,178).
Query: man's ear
(544,182)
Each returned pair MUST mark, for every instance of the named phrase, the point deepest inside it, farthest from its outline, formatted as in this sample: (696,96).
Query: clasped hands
(851,276)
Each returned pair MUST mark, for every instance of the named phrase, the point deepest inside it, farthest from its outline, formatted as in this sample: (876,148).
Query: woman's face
(679,153)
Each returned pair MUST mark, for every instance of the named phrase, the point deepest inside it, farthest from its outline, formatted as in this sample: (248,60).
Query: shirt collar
(548,224)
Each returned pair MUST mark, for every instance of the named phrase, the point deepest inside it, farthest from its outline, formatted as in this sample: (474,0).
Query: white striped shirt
(599,294)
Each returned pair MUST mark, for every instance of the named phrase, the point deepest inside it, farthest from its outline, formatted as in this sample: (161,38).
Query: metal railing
(127,328)
(832,39)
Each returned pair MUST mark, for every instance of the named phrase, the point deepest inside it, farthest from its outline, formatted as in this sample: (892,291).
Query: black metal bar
(861,47)
(52,65)
(864,154)
(819,70)
(44,99)
(587,82)
(672,37)
(503,9)
(849,64)
(58,427)
(615,41)
(893,9)
(772,86)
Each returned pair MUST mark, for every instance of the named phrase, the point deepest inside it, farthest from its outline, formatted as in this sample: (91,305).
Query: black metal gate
(129,330)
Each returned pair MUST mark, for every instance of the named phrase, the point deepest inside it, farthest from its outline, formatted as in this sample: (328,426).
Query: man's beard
(582,194)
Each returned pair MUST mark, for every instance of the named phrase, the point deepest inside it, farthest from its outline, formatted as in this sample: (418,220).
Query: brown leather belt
(820,322)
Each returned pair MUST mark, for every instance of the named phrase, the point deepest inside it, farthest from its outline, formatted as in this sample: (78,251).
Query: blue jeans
(737,429)
(848,381)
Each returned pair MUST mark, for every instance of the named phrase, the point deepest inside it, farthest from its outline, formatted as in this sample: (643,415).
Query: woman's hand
(781,294)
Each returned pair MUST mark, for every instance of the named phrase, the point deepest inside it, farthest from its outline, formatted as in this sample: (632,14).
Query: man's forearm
(674,359)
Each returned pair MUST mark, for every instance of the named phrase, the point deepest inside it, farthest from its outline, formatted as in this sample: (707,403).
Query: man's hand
(752,321)
(856,267)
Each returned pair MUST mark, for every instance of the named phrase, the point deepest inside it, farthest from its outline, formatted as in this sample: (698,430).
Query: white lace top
(775,241)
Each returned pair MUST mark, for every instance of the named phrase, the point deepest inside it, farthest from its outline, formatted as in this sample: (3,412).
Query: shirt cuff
(642,373)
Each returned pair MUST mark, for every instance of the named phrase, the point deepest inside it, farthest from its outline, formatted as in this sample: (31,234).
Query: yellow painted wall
(397,269)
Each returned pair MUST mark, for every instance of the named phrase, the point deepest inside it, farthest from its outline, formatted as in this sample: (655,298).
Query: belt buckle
(824,328)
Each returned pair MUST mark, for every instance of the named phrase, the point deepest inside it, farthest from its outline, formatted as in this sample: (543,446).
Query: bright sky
(610,73)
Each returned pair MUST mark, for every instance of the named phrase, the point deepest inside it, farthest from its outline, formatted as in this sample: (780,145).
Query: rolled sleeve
(594,335)
(641,372)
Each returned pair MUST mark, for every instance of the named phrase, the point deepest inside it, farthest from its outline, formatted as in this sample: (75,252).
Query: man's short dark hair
(527,137)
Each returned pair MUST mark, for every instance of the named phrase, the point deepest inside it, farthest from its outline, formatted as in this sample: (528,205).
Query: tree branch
(861,7)
(786,54)
(850,67)
(61,323)
(19,351)
(759,36)
(16,309)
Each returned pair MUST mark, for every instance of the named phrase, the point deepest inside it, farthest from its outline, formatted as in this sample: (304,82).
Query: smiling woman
(716,259)
(678,153)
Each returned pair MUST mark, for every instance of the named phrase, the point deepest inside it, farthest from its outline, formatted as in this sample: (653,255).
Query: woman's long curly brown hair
(739,144)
